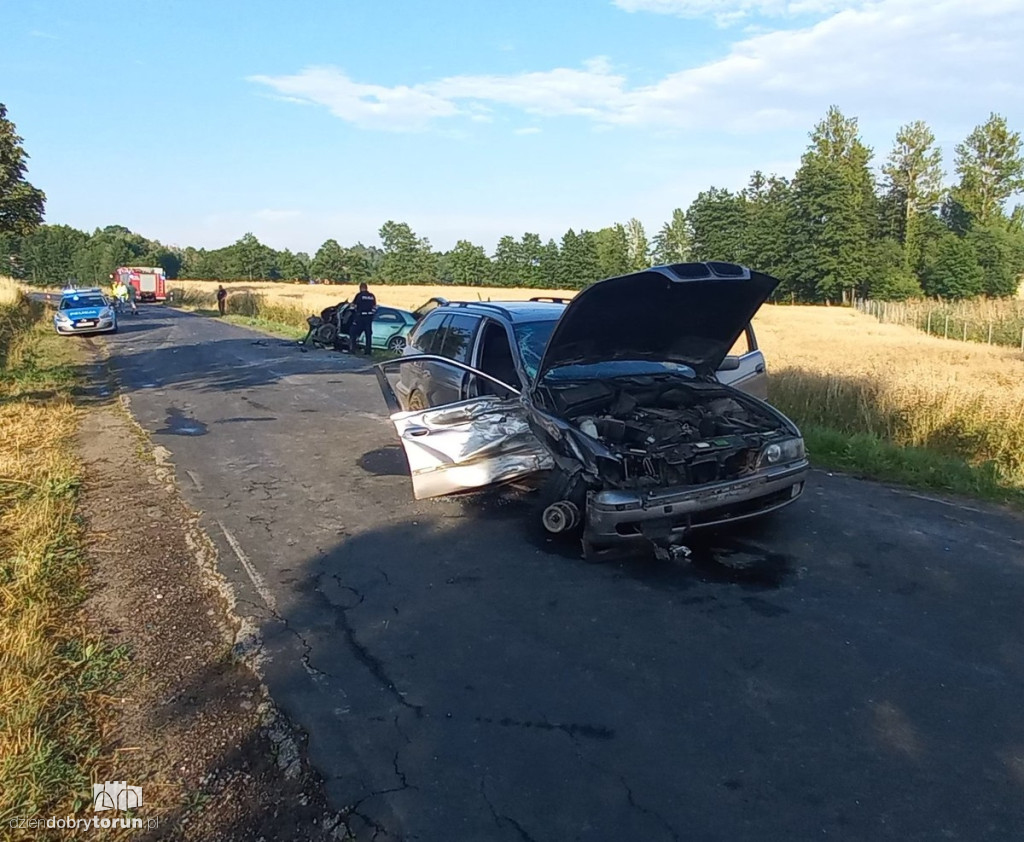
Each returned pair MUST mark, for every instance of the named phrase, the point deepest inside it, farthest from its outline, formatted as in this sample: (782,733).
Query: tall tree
(251,259)
(50,253)
(991,169)
(717,222)
(952,269)
(507,263)
(637,247)
(12,263)
(359,263)
(21,204)
(672,242)
(329,263)
(530,251)
(913,176)
(998,252)
(549,266)
(368,259)
(408,259)
(291,267)
(763,243)
(612,251)
(578,262)
(468,264)
(889,278)
(834,212)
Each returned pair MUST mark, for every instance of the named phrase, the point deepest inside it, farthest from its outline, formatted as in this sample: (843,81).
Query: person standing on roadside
(222,299)
(364,305)
(132,295)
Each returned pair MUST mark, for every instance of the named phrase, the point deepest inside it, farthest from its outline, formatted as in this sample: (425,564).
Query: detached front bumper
(616,517)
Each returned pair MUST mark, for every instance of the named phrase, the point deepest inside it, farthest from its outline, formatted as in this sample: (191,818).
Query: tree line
(834,230)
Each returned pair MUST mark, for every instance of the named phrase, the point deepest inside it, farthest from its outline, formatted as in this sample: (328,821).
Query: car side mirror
(729,364)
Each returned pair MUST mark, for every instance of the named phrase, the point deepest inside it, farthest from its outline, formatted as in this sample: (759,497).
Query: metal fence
(993,322)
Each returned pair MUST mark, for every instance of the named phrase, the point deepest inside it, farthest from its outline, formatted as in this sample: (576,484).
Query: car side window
(744,344)
(458,338)
(426,338)
(389,316)
(495,357)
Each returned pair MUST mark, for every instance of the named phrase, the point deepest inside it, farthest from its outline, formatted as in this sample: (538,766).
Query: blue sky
(194,122)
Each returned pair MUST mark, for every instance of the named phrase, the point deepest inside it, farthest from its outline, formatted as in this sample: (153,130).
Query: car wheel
(416,402)
(396,343)
(325,334)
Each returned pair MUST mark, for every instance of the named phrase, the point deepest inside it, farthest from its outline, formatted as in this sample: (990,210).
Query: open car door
(466,445)
(744,368)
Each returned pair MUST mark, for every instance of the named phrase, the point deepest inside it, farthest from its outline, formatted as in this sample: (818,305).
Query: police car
(85,311)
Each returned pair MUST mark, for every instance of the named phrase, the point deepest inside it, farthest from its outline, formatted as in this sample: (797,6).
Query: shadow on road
(454,670)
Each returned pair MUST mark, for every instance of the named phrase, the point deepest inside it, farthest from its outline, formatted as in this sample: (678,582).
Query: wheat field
(842,369)
(312,298)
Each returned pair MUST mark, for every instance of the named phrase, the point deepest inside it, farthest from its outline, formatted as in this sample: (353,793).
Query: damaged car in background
(625,401)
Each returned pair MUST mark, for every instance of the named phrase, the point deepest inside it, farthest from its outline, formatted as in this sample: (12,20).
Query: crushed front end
(647,458)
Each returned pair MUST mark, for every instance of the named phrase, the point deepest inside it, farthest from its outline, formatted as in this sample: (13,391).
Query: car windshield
(82,301)
(532,338)
(617,368)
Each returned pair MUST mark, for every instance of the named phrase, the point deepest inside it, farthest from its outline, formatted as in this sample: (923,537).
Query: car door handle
(416,431)
(759,368)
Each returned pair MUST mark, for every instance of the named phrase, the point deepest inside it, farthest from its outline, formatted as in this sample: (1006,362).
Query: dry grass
(47,669)
(840,369)
(833,369)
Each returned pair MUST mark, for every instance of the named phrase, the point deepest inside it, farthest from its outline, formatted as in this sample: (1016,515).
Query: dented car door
(466,445)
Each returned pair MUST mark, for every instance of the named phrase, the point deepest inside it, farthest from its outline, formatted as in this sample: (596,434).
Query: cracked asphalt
(852,669)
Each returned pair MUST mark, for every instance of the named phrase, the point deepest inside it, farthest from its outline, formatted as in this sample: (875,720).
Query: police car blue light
(85,311)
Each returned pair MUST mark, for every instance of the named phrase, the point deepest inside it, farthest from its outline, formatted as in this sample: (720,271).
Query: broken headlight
(780,452)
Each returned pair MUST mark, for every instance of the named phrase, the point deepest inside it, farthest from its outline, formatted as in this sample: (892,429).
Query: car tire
(325,335)
(397,344)
(417,402)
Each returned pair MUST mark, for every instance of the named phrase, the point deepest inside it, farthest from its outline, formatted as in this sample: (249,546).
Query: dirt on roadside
(190,724)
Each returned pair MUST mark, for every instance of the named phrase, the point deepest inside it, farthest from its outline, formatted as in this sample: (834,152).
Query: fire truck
(150,283)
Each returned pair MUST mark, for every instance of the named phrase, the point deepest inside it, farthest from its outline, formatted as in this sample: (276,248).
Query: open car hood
(689,313)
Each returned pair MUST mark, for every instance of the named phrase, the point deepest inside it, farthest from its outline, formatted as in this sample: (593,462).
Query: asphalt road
(853,669)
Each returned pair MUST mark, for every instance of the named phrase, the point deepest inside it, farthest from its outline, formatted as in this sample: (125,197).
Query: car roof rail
(552,298)
(488,304)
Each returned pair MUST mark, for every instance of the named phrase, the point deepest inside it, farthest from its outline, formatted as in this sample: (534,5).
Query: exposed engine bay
(663,431)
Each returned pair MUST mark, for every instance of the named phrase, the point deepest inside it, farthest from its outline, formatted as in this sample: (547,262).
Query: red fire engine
(150,283)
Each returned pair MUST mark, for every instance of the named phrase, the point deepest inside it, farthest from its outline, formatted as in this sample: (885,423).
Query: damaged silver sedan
(619,405)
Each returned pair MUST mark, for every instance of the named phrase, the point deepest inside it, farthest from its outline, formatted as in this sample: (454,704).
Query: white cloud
(528,130)
(370,106)
(730,11)
(890,59)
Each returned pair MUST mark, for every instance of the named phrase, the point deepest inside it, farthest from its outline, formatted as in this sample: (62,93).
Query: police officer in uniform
(364,305)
